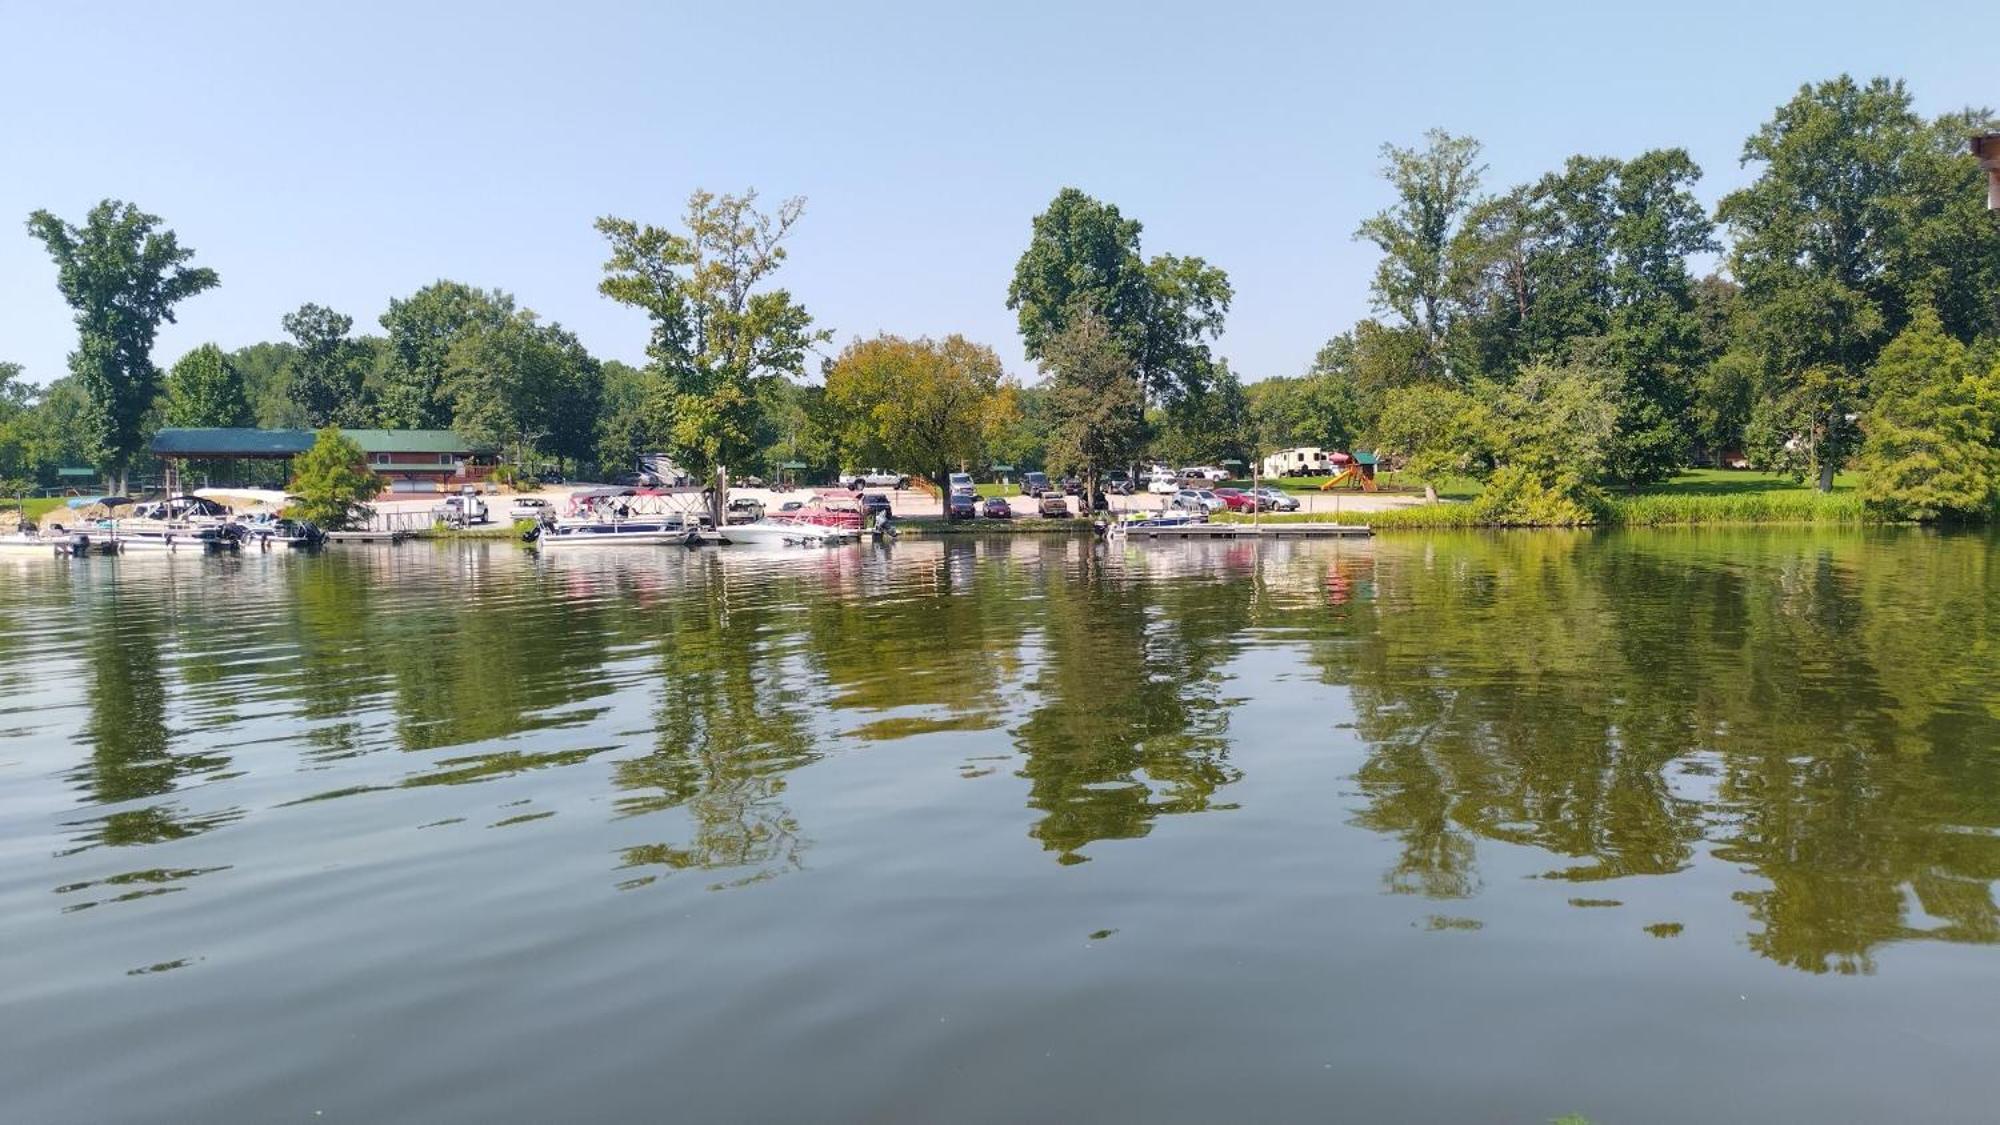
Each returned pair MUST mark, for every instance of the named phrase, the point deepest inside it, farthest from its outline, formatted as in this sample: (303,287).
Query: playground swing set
(1357,472)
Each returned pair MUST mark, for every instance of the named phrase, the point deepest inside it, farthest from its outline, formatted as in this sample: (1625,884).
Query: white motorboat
(30,542)
(785,533)
(149,536)
(616,533)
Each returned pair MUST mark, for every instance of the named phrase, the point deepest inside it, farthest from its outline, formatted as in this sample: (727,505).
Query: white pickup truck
(461,511)
(876,478)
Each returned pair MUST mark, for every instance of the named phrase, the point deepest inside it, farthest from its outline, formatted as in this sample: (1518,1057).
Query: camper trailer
(1307,461)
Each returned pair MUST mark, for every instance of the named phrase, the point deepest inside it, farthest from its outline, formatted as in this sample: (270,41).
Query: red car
(1238,500)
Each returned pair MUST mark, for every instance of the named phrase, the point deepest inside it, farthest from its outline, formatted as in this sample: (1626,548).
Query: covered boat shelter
(409,460)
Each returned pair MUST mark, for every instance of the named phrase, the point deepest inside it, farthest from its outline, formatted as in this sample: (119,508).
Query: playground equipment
(1357,471)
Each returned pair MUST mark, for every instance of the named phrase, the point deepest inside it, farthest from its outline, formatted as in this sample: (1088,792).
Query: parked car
(1237,500)
(871,503)
(1034,483)
(1162,482)
(1099,502)
(1072,486)
(1278,500)
(962,482)
(528,508)
(635,480)
(995,508)
(960,506)
(1118,482)
(744,510)
(750,482)
(791,505)
(550,477)
(876,478)
(1053,505)
(1197,500)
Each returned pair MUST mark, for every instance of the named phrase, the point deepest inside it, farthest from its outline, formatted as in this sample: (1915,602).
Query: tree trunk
(1826,476)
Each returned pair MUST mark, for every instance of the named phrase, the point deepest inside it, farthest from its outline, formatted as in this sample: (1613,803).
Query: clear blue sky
(347,153)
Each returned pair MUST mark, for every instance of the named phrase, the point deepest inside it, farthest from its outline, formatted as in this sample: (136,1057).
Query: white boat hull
(777,533)
(611,535)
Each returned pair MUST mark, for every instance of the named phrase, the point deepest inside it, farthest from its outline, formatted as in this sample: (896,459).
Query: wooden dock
(1253,531)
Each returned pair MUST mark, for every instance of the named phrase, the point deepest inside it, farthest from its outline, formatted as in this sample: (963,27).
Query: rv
(1307,461)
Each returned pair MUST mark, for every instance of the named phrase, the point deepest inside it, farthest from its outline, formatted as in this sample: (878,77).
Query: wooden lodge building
(410,460)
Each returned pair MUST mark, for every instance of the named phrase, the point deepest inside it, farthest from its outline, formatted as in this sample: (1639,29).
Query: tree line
(1554,339)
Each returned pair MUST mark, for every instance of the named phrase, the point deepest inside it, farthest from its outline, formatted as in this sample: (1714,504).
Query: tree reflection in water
(1801,706)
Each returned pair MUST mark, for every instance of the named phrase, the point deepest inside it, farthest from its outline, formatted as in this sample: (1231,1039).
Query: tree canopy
(925,404)
(332,481)
(1083,258)
(123,274)
(718,336)
(205,389)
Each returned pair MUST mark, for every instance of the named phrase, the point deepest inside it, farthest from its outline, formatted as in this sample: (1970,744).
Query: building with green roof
(411,460)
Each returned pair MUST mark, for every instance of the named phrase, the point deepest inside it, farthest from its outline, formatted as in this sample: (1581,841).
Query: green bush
(1517,496)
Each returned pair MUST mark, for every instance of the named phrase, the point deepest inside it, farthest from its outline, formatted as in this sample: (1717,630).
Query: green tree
(205,389)
(123,275)
(326,371)
(1861,213)
(1092,400)
(1421,236)
(1083,257)
(625,429)
(1323,407)
(717,338)
(921,404)
(524,383)
(16,409)
(1932,445)
(1590,263)
(332,481)
(267,369)
(1434,431)
(1212,426)
(423,328)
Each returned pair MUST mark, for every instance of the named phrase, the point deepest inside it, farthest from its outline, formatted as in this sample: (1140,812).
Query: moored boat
(781,533)
(615,533)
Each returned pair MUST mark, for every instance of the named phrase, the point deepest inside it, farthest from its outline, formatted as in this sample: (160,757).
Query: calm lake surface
(1651,827)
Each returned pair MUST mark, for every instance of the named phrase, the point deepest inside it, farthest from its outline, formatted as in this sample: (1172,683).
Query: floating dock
(1253,531)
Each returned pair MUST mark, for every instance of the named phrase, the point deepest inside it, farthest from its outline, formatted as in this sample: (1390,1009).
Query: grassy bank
(34,508)
(1700,497)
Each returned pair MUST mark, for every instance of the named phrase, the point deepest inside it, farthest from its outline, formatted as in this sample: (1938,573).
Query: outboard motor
(79,545)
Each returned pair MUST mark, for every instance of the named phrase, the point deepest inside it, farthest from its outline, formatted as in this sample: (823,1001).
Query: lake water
(1650,827)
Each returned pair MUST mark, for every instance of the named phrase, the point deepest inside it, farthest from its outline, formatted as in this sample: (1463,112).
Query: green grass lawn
(35,507)
(1739,482)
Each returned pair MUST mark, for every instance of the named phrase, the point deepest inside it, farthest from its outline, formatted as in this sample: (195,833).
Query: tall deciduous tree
(1091,399)
(923,404)
(327,367)
(1861,212)
(1419,235)
(423,328)
(205,389)
(1084,257)
(123,275)
(524,383)
(718,336)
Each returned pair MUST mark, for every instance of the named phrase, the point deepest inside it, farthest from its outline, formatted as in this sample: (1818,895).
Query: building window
(379,458)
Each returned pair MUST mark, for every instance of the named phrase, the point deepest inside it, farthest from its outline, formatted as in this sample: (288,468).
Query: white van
(1162,481)
(962,483)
